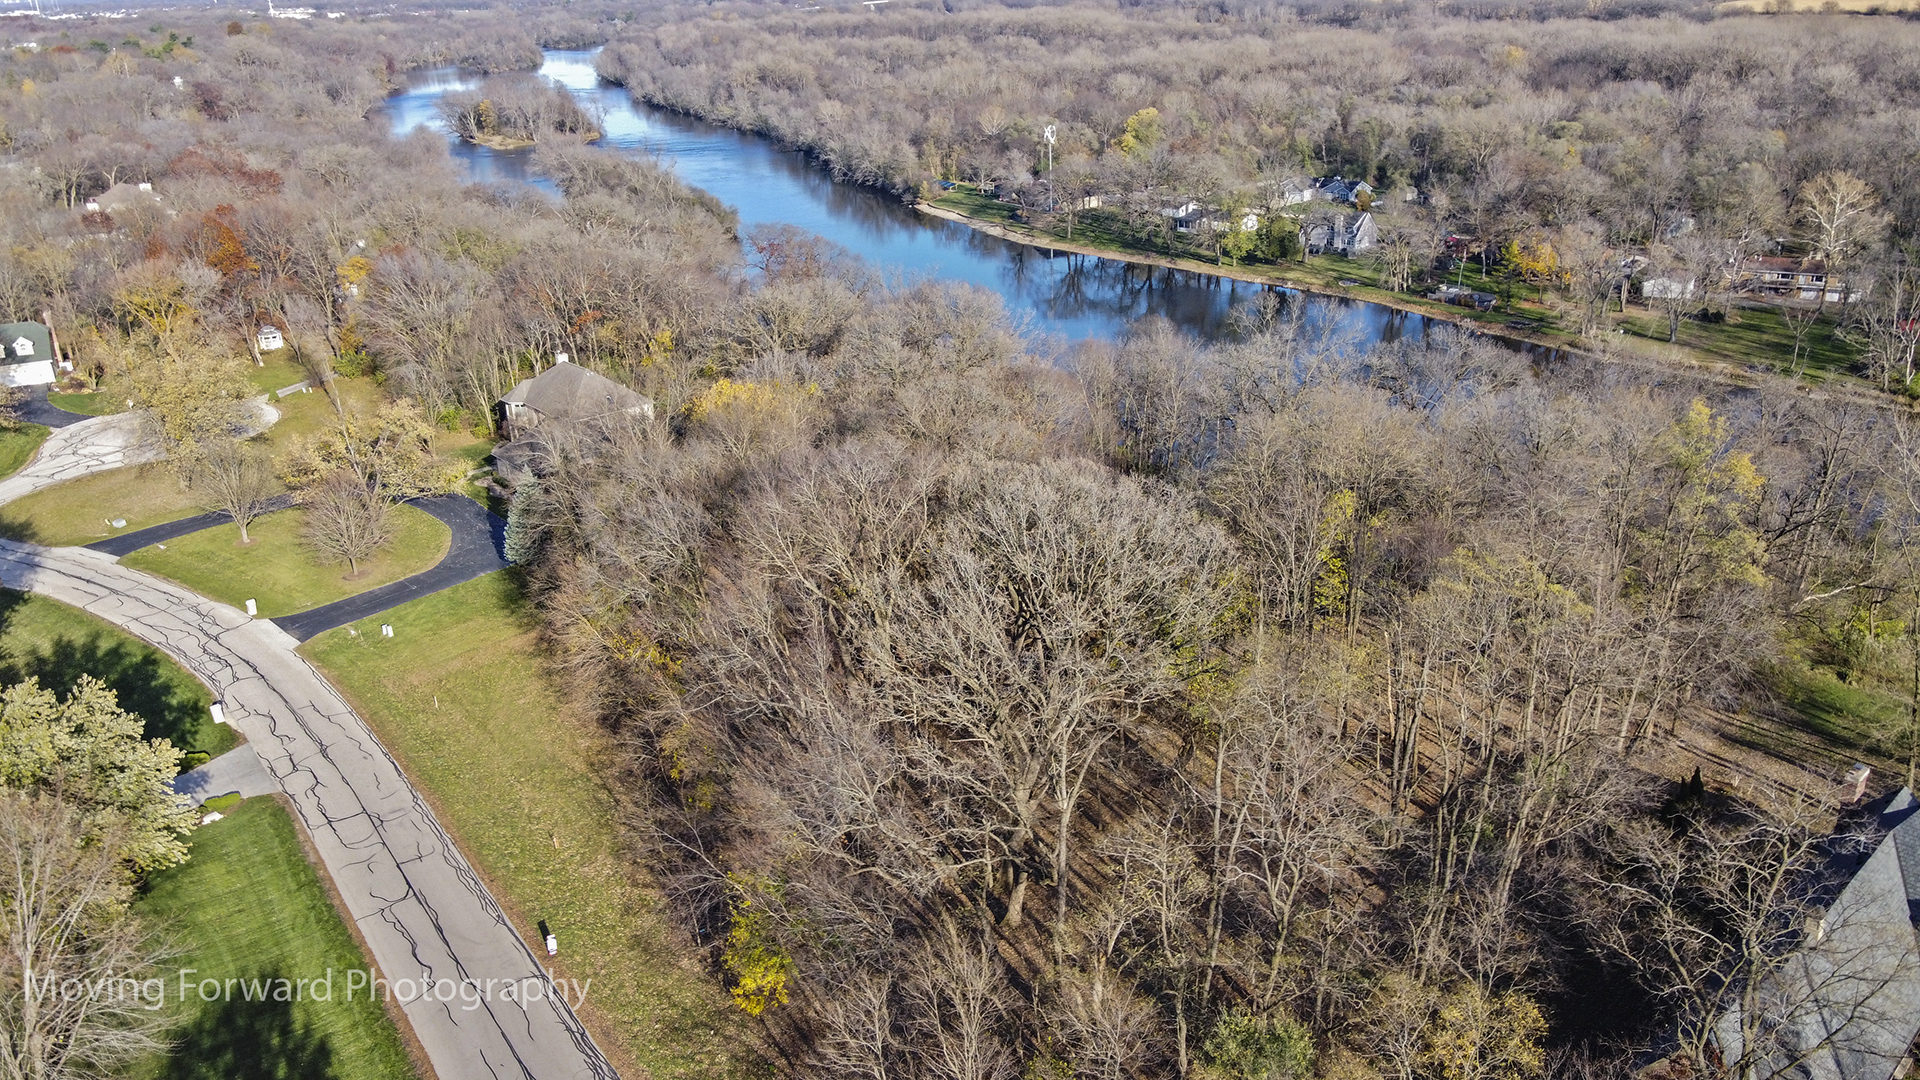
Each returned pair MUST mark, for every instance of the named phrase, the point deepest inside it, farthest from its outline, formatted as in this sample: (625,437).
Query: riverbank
(1022,234)
(1643,353)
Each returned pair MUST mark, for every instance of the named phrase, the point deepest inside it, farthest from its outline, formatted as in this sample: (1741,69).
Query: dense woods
(1268,707)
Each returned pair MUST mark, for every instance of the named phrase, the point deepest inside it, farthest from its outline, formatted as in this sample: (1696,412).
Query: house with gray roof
(566,398)
(1846,1004)
(567,394)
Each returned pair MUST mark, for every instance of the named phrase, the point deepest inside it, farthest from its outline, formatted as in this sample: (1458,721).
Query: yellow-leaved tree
(750,417)
(1477,1035)
(1142,131)
(194,395)
(757,964)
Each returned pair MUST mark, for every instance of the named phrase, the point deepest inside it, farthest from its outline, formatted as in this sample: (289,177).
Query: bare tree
(237,478)
(346,520)
(74,997)
(1730,927)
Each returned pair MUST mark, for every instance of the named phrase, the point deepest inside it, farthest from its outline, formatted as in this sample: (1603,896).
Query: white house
(26,354)
(125,196)
(270,339)
(1293,191)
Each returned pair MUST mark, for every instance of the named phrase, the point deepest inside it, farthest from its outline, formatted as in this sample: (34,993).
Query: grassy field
(277,373)
(278,569)
(17,446)
(460,696)
(95,403)
(47,640)
(1752,336)
(79,511)
(248,905)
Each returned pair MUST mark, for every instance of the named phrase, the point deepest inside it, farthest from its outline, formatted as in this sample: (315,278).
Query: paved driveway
(36,409)
(90,446)
(423,911)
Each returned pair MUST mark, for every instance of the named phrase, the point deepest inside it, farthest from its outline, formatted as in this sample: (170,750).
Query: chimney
(1857,781)
(54,335)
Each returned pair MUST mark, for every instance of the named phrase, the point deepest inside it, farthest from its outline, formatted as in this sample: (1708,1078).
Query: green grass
(49,641)
(1857,718)
(248,905)
(95,403)
(279,372)
(461,697)
(1754,336)
(78,511)
(278,569)
(17,446)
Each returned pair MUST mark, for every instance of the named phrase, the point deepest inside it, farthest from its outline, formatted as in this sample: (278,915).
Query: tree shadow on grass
(237,1039)
(18,528)
(172,711)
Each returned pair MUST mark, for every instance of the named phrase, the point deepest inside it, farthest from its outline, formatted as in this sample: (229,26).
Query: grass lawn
(248,905)
(279,571)
(78,511)
(1753,336)
(460,696)
(17,446)
(93,403)
(47,640)
(278,373)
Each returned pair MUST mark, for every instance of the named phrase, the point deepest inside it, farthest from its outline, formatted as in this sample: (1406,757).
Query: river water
(1060,294)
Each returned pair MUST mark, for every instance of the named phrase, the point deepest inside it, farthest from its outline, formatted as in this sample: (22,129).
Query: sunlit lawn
(49,641)
(95,403)
(1754,336)
(248,905)
(18,444)
(81,511)
(280,571)
(459,694)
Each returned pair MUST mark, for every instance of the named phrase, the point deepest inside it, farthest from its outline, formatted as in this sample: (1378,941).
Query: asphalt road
(423,911)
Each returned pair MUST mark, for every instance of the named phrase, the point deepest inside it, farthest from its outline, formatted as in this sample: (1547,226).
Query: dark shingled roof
(1847,1005)
(34,332)
(569,392)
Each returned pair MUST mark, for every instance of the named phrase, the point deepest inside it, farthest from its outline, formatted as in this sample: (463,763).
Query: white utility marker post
(219,713)
(252,608)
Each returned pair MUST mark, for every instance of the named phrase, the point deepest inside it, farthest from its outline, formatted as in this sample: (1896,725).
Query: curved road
(424,913)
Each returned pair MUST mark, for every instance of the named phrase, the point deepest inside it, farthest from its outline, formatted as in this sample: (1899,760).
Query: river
(1068,296)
